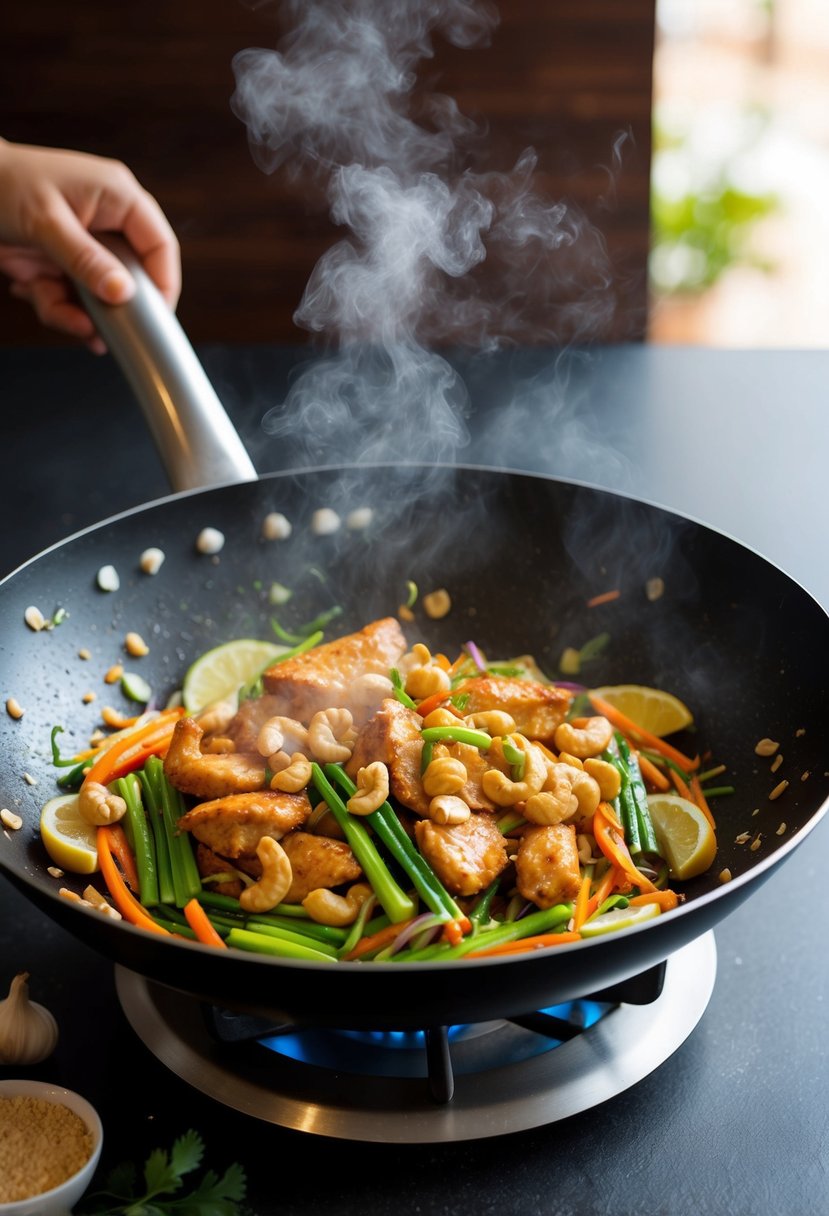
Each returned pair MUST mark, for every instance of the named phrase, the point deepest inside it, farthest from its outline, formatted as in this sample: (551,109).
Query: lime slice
(619,918)
(220,673)
(654,710)
(685,837)
(69,840)
(135,687)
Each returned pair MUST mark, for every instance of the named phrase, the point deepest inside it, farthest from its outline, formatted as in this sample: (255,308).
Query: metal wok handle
(196,440)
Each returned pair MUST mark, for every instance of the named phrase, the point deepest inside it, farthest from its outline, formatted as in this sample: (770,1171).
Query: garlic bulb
(28,1032)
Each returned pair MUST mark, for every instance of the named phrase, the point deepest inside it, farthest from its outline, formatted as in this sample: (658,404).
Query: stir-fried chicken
(536,709)
(467,856)
(547,865)
(192,771)
(317,861)
(331,675)
(233,826)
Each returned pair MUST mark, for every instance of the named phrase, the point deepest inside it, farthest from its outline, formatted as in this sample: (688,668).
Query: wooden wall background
(150,83)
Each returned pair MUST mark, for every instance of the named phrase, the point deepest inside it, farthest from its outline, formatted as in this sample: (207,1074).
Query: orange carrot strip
(122,897)
(431,703)
(701,801)
(651,773)
(612,844)
(122,852)
(527,943)
(442,661)
(666,899)
(198,921)
(106,768)
(645,737)
(606,597)
(609,880)
(682,788)
(375,941)
(582,900)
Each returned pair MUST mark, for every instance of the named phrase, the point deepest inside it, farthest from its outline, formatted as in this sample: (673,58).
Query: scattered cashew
(215,717)
(444,775)
(573,761)
(331,735)
(607,777)
(584,737)
(278,734)
(96,805)
(495,721)
(586,789)
(369,690)
(372,789)
(425,681)
(276,878)
(557,802)
(448,809)
(502,791)
(327,908)
(295,777)
(441,717)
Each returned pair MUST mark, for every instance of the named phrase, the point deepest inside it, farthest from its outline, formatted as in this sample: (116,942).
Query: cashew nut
(331,735)
(448,809)
(369,690)
(557,802)
(372,789)
(276,878)
(295,777)
(96,805)
(281,734)
(584,737)
(327,908)
(425,681)
(214,717)
(585,787)
(566,758)
(444,775)
(441,717)
(495,721)
(606,776)
(502,791)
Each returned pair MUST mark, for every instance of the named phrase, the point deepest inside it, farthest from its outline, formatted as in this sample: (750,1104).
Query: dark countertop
(735,1122)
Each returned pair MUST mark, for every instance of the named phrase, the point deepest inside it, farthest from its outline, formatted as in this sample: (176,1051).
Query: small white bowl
(61,1199)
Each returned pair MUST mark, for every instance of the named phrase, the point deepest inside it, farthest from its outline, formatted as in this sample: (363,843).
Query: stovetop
(734,1121)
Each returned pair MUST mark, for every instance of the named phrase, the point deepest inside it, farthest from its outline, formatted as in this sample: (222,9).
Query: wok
(732,635)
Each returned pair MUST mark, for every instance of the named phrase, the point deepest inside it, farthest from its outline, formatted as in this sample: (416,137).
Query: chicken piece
(192,771)
(547,865)
(323,678)
(467,856)
(249,719)
(209,862)
(392,735)
(317,861)
(537,709)
(233,826)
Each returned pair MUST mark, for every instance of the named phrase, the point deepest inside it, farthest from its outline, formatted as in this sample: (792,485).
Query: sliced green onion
(399,691)
(262,943)
(515,758)
(457,734)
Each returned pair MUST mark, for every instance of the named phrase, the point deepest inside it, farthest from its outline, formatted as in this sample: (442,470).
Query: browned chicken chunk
(467,856)
(209,776)
(317,861)
(234,825)
(547,865)
(323,677)
(537,709)
(393,736)
(209,862)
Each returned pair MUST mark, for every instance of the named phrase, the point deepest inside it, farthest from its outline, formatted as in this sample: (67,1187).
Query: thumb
(84,259)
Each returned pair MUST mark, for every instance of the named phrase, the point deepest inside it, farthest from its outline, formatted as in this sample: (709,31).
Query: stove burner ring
(508,1077)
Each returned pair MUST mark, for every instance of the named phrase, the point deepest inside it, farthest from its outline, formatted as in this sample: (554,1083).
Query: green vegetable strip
(399,691)
(260,943)
(479,915)
(719,791)
(638,793)
(385,823)
(393,900)
(152,799)
(285,935)
(544,921)
(329,934)
(143,843)
(457,734)
(73,779)
(173,926)
(57,759)
(358,928)
(426,757)
(308,643)
(624,804)
(186,857)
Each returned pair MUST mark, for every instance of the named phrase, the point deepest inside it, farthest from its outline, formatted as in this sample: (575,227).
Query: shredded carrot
(612,843)
(134,748)
(376,941)
(629,727)
(442,661)
(651,773)
(682,788)
(665,899)
(607,597)
(122,897)
(431,703)
(122,852)
(701,800)
(454,930)
(198,921)
(527,943)
(609,880)
(582,901)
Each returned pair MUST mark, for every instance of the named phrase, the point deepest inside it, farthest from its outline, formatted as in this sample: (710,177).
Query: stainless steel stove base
(625,1046)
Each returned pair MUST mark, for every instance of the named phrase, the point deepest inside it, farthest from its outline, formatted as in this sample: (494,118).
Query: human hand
(52,203)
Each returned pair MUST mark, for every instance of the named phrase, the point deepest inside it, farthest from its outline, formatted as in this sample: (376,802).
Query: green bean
(457,734)
(286,935)
(647,835)
(152,799)
(143,845)
(261,943)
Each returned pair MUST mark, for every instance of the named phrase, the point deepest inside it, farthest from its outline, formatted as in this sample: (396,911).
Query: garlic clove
(28,1031)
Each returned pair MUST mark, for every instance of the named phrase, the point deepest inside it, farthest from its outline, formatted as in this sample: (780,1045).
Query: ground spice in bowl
(42,1144)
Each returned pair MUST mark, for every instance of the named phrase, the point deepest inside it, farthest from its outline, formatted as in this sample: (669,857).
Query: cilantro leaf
(187,1153)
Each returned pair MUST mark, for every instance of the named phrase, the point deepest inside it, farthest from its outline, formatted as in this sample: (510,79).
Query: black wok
(520,555)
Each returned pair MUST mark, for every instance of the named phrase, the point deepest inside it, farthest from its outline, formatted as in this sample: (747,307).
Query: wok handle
(197,442)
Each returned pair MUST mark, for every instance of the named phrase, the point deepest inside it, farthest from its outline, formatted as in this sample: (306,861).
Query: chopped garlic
(151,560)
(325,521)
(210,541)
(276,527)
(107,578)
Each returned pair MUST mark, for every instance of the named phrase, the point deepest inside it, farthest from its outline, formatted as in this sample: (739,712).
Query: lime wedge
(653,709)
(220,673)
(619,918)
(685,837)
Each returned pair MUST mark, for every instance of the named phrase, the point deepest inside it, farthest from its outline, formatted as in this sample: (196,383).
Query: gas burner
(443,1084)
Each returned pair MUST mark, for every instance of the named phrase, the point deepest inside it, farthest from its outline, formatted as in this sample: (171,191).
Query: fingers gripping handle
(197,442)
